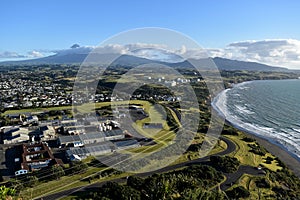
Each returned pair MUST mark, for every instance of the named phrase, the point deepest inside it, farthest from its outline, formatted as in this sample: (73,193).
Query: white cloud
(35,54)
(10,54)
(276,52)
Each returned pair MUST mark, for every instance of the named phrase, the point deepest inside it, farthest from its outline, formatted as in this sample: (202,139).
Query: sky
(270,28)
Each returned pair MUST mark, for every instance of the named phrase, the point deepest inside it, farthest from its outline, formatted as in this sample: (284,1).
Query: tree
(57,171)
(6,192)
(135,182)
(225,164)
(238,192)
(112,190)
(78,167)
(30,181)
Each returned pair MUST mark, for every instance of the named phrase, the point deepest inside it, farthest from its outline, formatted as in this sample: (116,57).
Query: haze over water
(270,109)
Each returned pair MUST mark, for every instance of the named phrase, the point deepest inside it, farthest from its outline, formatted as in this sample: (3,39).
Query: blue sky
(41,25)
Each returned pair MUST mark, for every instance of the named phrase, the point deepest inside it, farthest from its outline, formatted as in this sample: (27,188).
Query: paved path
(232,178)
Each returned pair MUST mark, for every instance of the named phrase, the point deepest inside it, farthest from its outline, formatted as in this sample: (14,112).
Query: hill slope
(77,58)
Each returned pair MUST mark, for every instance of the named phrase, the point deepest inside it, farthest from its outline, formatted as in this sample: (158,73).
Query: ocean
(267,108)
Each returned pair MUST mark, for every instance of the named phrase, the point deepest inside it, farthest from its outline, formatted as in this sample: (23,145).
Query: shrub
(225,164)
(238,192)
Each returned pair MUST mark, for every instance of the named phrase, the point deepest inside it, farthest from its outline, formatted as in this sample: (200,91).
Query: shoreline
(276,149)
(291,160)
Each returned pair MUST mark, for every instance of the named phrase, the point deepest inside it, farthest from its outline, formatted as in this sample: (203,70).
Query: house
(14,134)
(32,119)
(35,157)
(115,134)
(47,132)
(89,150)
(14,118)
(74,157)
(68,140)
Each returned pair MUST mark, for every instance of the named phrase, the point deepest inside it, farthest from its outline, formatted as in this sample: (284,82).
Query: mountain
(227,64)
(78,58)
(75,57)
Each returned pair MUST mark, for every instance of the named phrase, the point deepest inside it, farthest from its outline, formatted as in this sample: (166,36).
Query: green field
(246,157)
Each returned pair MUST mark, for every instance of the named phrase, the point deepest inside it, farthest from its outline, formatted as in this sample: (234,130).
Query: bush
(263,183)
(194,147)
(248,139)
(225,164)
(229,132)
(257,149)
(77,167)
(135,182)
(238,192)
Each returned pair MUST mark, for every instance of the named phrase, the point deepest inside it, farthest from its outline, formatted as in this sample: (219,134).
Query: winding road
(230,177)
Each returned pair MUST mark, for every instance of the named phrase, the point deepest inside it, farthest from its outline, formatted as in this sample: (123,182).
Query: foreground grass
(67,182)
(243,154)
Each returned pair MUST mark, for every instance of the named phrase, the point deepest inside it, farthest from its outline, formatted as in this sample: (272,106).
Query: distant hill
(77,58)
(227,64)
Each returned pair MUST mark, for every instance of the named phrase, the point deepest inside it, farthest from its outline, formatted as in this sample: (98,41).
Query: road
(230,177)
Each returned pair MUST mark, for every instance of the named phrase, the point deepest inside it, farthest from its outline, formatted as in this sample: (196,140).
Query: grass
(85,108)
(163,136)
(243,154)
(174,116)
(33,110)
(68,182)
(64,183)
(248,182)
(220,146)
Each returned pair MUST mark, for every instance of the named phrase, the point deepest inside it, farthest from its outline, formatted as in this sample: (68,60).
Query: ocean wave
(296,129)
(279,134)
(244,110)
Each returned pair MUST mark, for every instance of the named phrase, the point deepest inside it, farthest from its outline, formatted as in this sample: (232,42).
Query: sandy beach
(277,149)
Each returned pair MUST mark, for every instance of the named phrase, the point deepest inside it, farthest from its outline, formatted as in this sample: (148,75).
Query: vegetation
(189,183)
(6,193)
(225,164)
(238,192)
(199,181)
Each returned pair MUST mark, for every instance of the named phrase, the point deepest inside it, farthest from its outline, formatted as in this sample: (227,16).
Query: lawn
(85,108)
(34,110)
(249,158)
(67,182)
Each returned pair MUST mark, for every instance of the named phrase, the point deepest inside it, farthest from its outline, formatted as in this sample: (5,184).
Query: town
(50,143)
(38,128)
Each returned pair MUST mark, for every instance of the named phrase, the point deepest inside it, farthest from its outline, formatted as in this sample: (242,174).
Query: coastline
(291,160)
(288,158)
